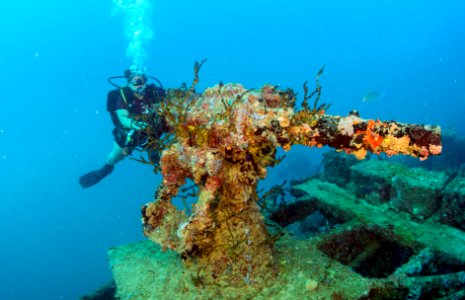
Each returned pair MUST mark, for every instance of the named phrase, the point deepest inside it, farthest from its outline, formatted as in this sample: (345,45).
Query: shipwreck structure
(359,230)
(223,140)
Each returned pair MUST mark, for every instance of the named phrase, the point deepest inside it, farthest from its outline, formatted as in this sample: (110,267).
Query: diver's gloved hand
(139,125)
(94,177)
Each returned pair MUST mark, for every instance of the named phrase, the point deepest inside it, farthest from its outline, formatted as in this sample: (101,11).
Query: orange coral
(371,138)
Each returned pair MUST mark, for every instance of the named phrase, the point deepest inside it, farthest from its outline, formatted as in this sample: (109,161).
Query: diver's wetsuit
(138,108)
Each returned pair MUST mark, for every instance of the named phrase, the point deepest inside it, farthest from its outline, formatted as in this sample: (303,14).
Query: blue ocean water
(55,58)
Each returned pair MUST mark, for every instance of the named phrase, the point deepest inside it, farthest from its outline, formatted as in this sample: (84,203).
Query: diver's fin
(94,177)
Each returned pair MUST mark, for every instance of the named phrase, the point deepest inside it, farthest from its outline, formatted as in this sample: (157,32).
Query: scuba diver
(132,109)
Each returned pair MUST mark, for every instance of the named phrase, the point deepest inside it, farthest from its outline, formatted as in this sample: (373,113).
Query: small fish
(374,96)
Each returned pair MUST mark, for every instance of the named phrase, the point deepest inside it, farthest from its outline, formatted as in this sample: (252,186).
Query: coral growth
(223,140)
(342,244)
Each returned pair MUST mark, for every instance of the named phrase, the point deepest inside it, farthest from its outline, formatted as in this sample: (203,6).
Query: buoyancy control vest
(153,95)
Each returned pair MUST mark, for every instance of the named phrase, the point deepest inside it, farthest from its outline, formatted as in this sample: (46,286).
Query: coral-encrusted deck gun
(223,139)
